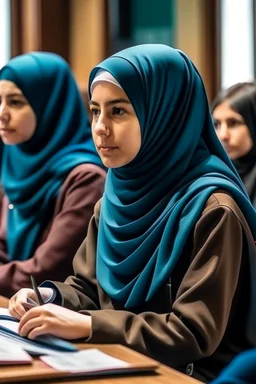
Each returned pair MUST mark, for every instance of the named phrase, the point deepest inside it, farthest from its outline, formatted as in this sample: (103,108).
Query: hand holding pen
(36,290)
(27,298)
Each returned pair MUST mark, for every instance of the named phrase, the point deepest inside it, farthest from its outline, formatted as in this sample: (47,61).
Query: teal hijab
(151,205)
(32,172)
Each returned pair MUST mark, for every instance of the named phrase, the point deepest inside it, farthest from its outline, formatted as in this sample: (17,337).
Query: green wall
(152,21)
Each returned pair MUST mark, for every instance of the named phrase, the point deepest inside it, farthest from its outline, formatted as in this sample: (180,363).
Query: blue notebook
(39,346)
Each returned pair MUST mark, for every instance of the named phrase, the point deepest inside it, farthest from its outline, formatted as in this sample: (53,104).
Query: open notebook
(39,346)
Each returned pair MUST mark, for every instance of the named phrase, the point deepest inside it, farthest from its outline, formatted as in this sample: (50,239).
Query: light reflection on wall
(5,46)
(237,46)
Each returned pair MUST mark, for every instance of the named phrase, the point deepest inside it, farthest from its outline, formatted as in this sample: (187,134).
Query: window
(5,46)
(237,41)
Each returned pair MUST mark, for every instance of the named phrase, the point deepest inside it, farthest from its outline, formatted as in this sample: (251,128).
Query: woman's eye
(95,112)
(216,124)
(234,123)
(118,111)
(16,103)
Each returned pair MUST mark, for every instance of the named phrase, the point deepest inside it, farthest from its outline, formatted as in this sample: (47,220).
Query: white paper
(11,353)
(5,311)
(89,360)
(30,348)
(11,325)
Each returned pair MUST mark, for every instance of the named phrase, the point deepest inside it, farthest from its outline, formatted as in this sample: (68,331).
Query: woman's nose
(4,113)
(223,132)
(101,126)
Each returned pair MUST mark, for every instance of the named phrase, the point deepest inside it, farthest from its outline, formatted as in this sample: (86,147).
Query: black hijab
(242,99)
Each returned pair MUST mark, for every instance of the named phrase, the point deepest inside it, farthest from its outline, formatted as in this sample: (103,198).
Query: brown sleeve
(81,290)
(200,312)
(53,258)
(3,213)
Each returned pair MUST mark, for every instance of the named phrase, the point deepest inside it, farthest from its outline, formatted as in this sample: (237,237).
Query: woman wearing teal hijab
(51,174)
(165,264)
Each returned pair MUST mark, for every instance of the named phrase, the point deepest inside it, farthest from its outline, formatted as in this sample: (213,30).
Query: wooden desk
(3,302)
(47,375)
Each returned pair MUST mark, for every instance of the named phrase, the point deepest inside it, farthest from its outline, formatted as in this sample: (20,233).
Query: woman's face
(115,127)
(17,118)
(232,131)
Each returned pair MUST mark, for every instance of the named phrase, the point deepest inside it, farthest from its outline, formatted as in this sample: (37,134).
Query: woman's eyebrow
(110,102)
(12,94)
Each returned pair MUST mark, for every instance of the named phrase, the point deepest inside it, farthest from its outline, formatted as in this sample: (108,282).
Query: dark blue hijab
(33,172)
(151,205)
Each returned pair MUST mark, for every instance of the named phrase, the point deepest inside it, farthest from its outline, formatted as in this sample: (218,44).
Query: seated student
(234,113)
(164,267)
(242,370)
(51,174)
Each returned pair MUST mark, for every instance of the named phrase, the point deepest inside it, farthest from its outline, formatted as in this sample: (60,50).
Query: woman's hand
(55,320)
(23,300)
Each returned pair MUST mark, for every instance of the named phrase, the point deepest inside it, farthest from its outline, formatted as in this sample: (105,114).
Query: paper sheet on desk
(4,311)
(86,361)
(31,349)
(13,354)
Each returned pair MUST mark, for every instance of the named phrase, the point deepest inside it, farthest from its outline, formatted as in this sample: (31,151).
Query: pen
(36,290)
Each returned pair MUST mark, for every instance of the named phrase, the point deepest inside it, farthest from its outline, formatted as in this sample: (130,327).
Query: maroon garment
(62,237)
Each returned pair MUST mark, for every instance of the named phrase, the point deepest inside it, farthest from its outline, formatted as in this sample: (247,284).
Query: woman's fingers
(16,307)
(31,328)
(37,331)
(40,316)
(54,320)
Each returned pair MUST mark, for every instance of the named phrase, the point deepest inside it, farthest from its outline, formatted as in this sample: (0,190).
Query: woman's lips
(7,130)
(106,149)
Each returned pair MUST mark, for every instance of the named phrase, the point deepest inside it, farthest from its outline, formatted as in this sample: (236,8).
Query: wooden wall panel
(16,40)
(31,26)
(54,26)
(197,36)
(40,25)
(88,35)
(75,29)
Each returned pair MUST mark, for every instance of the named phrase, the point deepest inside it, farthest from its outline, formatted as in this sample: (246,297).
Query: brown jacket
(64,234)
(204,321)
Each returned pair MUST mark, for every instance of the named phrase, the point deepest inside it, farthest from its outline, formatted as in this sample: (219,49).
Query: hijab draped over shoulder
(151,205)
(32,172)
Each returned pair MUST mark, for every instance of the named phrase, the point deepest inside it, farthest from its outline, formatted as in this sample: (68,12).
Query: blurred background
(218,35)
